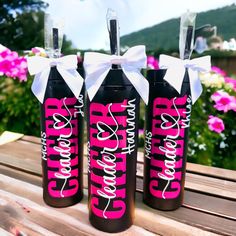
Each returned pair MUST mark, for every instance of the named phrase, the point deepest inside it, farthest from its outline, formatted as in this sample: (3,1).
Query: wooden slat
(189,217)
(12,221)
(25,156)
(213,186)
(30,161)
(21,175)
(212,171)
(27,159)
(192,200)
(205,184)
(204,203)
(51,220)
(210,204)
(203,170)
(145,217)
(31,139)
(191,167)
(63,221)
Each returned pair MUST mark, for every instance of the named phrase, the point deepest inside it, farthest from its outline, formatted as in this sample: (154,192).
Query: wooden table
(209,206)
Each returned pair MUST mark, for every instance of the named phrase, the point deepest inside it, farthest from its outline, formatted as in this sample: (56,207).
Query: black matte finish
(114,89)
(57,88)
(161,89)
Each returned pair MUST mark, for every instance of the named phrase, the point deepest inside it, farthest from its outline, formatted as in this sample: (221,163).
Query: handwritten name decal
(171,117)
(112,138)
(61,129)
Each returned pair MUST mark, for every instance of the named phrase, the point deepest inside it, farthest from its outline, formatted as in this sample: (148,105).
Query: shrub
(19,110)
(213,128)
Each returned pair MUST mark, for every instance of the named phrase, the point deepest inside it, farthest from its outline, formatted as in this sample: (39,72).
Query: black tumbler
(166,137)
(62,143)
(112,151)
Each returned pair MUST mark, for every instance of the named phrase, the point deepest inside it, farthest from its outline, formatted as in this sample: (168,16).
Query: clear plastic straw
(186,34)
(113,29)
(53,35)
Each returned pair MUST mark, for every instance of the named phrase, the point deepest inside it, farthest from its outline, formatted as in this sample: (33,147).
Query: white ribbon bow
(176,70)
(97,66)
(66,66)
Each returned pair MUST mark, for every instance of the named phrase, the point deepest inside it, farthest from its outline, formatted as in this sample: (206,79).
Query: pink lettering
(167,146)
(108,134)
(62,146)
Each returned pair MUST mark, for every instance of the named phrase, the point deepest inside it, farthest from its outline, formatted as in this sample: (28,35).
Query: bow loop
(202,64)
(67,62)
(136,56)
(176,71)
(36,64)
(97,66)
(66,66)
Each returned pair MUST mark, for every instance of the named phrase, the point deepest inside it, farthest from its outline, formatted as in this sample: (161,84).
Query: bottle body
(62,116)
(166,137)
(112,152)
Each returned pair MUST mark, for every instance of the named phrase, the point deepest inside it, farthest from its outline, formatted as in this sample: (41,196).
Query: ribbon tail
(139,82)
(39,84)
(72,79)
(175,76)
(195,85)
(94,81)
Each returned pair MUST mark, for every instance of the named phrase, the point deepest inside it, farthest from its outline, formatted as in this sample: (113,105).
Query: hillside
(165,34)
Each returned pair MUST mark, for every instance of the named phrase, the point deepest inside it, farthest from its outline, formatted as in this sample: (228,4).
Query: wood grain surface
(209,204)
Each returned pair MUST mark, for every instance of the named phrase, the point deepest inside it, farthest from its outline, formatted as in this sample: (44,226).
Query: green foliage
(21,23)
(205,146)
(165,35)
(19,110)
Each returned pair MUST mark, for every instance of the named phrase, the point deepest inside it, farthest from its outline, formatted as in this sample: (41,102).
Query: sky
(85,20)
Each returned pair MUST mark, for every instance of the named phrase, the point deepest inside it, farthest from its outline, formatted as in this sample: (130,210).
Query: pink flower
(12,65)
(35,50)
(224,102)
(7,54)
(152,62)
(215,124)
(5,67)
(232,81)
(141,131)
(218,71)
(38,51)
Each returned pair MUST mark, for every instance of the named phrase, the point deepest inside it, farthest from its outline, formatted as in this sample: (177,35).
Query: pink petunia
(141,131)
(152,62)
(5,66)
(215,124)
(12,65)
(232,81)
(35,50)
(223,101)
(218,71)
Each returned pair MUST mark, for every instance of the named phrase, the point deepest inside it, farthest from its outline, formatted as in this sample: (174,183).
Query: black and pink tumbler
(60,90)
(62,132)
(172,92)
(113,83)
(166,138)
(113,138)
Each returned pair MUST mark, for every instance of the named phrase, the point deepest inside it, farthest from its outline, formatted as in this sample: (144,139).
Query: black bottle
(166,137)
(62,143)
(112,152)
